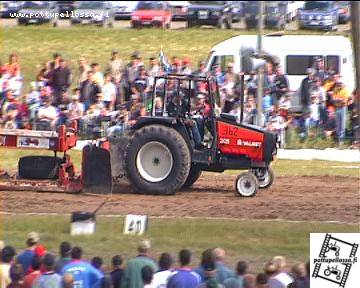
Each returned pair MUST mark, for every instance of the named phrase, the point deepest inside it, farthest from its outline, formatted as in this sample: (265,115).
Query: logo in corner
(333,259)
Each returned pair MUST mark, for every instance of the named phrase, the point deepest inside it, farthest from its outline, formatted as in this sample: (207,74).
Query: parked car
(9,7)
(37,12)
(100,13)
(343,11)
(251,14)
(179,10)
(65,8)
(214,13)
(319,15)
(123,9)
(275,15)
(153,14)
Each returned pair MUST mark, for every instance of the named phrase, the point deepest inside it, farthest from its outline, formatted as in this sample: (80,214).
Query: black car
(275,12)
(251,13)
(7,8)
(214,13)
(37,12)
(65,8)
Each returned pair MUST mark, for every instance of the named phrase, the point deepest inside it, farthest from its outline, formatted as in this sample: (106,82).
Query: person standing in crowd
(222,271)
(186,66)
(30,278)
(307,85)
(340,98)
(7,257)
(12,68)
(211,280)
(141,84)
(281,83)
(147,275)
(47,116)
(154,70)
(75,108)
(131,72)
(280,278)
(115,66)
(83,68)
(117,271)
(88,90)
(302,280)
(65,256)
(61,82)
(201,69)
(161,277)
(49,279)
(109,93)
(132,275)
(85,275)
(98,75)
(238,280)
(97,263)
(262,281)
(319,67)
(26,257)
(320,93)
(184,276)
(16,276)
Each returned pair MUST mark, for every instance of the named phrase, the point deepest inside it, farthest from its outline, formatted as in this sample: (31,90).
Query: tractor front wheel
(246,184)
(157,160)
(265,177)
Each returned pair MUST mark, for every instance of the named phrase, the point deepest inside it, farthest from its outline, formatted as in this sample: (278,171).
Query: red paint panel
(236,140)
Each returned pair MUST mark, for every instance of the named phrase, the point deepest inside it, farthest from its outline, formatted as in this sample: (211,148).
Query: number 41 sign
(135,224)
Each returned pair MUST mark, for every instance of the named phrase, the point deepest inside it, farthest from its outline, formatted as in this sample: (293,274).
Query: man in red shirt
(30,278)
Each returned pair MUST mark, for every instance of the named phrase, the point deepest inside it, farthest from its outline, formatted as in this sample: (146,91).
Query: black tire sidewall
(180,153)
(194,174)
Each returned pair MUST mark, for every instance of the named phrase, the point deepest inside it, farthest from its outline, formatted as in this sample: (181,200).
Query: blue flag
(164,62)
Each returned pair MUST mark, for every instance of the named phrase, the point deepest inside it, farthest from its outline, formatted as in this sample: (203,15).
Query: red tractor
(159,154)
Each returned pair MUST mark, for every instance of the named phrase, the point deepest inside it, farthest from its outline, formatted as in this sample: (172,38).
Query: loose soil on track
(318,198)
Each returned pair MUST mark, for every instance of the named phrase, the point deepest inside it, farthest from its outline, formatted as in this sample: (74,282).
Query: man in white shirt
(161,277)
(76,109)
(48,113)
(109,92)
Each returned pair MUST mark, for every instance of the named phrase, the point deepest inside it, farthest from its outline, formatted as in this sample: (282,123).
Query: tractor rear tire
(39,167)
(157,160)
(194,175)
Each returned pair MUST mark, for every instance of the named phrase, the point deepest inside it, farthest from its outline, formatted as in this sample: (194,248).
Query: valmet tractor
(159,154)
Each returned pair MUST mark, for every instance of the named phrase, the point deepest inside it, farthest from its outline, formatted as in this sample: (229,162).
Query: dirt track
(293,198)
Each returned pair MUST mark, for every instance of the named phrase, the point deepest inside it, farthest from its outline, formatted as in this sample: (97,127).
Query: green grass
(9,159)
(252,241)
(36,44)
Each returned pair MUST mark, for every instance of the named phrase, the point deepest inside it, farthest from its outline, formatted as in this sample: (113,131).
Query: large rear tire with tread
(39,167)
(194,175)
(157,160)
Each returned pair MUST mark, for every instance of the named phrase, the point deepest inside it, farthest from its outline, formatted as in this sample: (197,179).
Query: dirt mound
(322,198)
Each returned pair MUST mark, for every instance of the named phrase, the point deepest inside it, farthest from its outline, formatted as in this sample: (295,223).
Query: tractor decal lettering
(240,140)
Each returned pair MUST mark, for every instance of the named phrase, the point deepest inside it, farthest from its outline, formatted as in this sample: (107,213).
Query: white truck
(296,53)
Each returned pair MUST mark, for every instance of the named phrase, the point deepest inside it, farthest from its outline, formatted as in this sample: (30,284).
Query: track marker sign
(135,224)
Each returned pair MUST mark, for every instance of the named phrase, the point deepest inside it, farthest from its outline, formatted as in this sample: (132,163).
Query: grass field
(252,241)
(36,44)
(9,159)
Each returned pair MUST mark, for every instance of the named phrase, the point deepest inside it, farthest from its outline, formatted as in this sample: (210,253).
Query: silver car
(100,13)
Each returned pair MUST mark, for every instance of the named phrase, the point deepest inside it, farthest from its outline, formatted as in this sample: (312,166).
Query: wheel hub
(154,161)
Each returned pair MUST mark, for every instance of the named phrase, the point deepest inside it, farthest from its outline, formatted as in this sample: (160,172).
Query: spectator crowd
(36,267)
(121,92)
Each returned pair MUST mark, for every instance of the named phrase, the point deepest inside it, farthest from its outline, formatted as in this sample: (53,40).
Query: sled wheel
(157,160)
(194,175)
(39,167)
(246,184)
(265,177)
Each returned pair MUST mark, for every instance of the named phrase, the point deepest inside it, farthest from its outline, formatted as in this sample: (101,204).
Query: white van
(296,53)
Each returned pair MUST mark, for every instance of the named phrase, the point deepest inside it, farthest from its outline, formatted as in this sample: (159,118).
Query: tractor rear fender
(166,121)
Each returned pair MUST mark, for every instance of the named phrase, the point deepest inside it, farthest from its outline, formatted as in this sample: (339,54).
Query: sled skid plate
(96,170)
